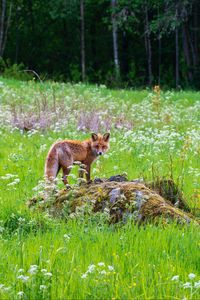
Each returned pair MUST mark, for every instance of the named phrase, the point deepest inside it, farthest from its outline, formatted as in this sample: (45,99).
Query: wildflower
(33,269)
(197,284)
(187,285)
(21,220)
(43,287)
(20,270)
(101,264)
(66,237)
(1,286)
(48,274)
(110,268)
(91,268)
(103,272)
(84,276)
(175,278)
(8,176)
(191,276)
(23,278)
(20,294)
(12,183)
(44,270)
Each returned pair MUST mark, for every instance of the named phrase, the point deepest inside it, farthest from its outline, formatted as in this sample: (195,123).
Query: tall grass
(154,134)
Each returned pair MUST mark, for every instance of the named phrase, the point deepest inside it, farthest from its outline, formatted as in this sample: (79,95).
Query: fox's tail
(51,164)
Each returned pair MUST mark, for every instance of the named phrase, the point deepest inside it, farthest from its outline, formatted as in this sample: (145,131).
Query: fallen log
(120,199)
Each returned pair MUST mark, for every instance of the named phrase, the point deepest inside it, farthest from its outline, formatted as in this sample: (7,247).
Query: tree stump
(121,200)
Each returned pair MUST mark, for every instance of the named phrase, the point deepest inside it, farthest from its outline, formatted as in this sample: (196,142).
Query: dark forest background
(120,43)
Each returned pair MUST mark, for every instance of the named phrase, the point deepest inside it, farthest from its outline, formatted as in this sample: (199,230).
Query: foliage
(16,71)
(45,36)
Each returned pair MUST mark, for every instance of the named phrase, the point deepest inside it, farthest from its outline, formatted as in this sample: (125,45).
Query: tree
(147,35)
(82,39)
(4,24)
(115,39)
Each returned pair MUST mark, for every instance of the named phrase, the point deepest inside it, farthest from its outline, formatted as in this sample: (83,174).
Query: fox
(63,154)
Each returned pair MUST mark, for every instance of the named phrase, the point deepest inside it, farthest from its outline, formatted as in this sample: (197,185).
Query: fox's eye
(97,147)
(104,147)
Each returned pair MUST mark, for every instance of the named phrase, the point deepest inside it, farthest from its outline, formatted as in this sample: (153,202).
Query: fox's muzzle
(100,153)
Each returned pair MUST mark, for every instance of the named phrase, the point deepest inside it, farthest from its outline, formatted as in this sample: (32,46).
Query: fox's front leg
(88,168)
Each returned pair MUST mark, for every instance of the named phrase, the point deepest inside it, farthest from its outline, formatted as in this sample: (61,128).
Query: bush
(16,71)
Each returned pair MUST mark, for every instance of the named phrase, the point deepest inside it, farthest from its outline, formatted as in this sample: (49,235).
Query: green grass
(149,140)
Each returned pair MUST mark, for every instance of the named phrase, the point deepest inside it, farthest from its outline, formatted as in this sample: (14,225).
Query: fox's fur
(63,154)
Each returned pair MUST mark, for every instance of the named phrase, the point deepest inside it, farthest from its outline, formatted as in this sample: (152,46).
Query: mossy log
(121,199)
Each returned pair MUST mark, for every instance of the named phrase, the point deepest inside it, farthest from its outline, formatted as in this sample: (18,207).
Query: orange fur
(63,154)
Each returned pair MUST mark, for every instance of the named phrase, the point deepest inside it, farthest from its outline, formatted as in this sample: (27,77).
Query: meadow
(154,134)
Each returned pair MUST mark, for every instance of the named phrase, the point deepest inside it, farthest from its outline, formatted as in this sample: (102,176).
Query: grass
(153,135)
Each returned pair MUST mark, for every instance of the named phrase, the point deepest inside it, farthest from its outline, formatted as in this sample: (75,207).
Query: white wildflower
(110,268)
(8,176)
(66,237)
(11,184)
(84,276)
(175,278)
(33,269)
(20,294)
(48,274)
(44,270)
(191,276)
(197,284)
(43,287)
(20,270)
(91,268)
(21,220)
(101,264)
(103,272)
(23,278)
(187,285)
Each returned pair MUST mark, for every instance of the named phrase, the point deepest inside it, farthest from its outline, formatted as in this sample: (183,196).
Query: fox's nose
(100,153)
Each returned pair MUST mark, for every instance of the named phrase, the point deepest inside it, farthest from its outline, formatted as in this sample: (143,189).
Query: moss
(144,202)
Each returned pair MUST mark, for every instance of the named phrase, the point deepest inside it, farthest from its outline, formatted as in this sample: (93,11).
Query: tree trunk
(159,59)
(115,40)
(177,49)
(124,59)
(82,39)
(191,43)
(196,30)
(177,56)
(148,45)
(6,29)
(187,52)
(2,25)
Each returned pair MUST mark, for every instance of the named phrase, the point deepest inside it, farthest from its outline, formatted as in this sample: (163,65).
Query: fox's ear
(94,137)
(106,137)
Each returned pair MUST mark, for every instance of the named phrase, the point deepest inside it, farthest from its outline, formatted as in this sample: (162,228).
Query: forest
(118,43)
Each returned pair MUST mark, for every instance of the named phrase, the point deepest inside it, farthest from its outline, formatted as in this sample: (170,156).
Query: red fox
(63,154)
